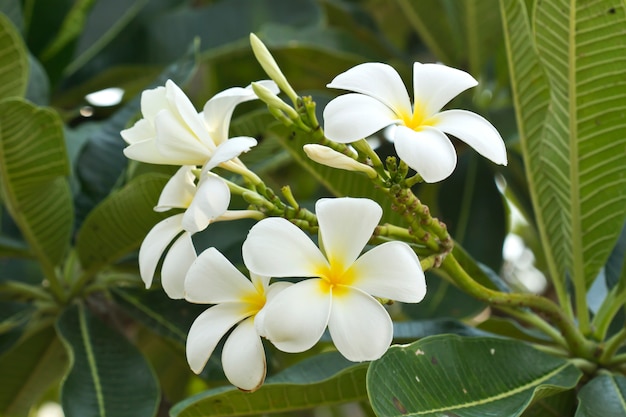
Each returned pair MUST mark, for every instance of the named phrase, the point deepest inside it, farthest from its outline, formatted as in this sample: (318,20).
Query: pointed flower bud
(270,66)
(330,157)
(273,101)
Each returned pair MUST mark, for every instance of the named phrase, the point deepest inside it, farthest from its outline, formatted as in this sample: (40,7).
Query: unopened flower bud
(270,66)
(273,101)
(329,157)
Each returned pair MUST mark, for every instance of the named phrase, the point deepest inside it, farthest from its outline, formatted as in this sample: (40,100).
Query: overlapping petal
(351,117)
(142,130)
(434,85)
(391,271)
(359,325)
(177,261)
(428,151)
(179,190)
(144,150)
(243,357)
(346,225)
(210,201)
(230,149)
(155,243)
(178,141)
(275,247)
(476,131)
(212,279)
(153,101)
(377,80)
(296,317)
(219,109)
(207,330)
(183,110)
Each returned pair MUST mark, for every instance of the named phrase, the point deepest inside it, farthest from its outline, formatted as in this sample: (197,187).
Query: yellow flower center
(254,302)
(335,277)
(418,119)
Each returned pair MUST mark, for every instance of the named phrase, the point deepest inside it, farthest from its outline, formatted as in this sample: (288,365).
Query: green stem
(611,305)
(612,346)
(578,345)
(537,322)
(27,291)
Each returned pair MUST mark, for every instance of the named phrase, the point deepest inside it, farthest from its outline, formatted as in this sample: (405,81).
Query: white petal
(277,248)
(179,190)
(211,200)
(376,80)
(152,102)
(146,151)
(346,225)
(435,85)
(175,140)
(474,130)
(351,117)
(392,271)
(212,279)
(272,291)
(186,113)
(154,244)
(207,330)
(219,109)
(230,149)
(243,357)
(359,325)
(142,130)
(295,319)
(429,152)
(177,261)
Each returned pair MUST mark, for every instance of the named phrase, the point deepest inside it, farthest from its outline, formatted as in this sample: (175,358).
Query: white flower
(381,100)
(172,132)
(203,203)
(341,296)
(212,279)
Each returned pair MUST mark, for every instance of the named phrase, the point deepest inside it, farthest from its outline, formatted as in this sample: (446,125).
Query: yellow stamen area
(336,278)
(418,119)
(254,302)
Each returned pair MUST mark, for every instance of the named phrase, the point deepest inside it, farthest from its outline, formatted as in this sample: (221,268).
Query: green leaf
(324,379)
(465,34)
(118,225)
(71,28)
(108,375)
(464,377)
(568,89)
(166,317)
(562,404)
(603,396)
(13,60)
(33,166)
(28,370)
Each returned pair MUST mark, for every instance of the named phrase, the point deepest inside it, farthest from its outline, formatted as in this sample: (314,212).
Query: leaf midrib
(91,360)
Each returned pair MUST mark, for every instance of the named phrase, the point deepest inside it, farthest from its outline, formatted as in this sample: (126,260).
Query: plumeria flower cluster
(297,289)
(172,132)
(337,290)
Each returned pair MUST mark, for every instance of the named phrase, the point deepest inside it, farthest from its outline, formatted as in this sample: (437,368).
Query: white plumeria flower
(341,296)
(212,279)
(381,100)
(172,132)
(203,203)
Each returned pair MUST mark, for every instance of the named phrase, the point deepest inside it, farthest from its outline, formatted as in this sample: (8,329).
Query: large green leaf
(118,225)
(33,166)
(464,34)
(464,377)
(108,375)
(13,60)
(568,84)
(603,396)
(321,380)
(28,370)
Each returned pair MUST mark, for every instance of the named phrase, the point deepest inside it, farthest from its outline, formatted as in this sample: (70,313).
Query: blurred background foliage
(77,48)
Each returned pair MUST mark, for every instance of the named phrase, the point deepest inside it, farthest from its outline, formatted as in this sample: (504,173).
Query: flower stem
(537,322)
(577,344)
(612,346)
(611,305)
